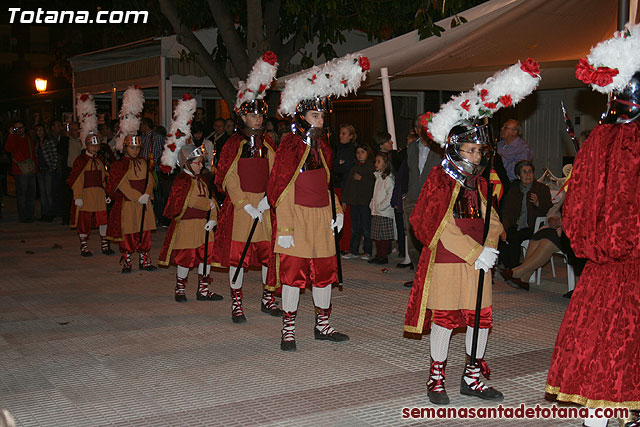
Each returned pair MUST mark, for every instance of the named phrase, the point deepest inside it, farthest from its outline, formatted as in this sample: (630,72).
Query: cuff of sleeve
(241,203)
(285,230)
(474,254)
(491,243)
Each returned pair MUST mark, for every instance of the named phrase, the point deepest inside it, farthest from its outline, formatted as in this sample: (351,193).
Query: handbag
(27,167)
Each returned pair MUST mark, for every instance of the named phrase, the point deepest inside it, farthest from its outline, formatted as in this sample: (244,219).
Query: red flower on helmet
(166,169)
(491,105)
(601,76)
(425,119)
(178,134)
(269,57)
(483,94)
(364,63)
(530,66)
(262,88)
(466,105)
(506,100)
(172,147)
(240,95)
(84,97)
(344,82)
(186,97)
(137,87)
(313,78)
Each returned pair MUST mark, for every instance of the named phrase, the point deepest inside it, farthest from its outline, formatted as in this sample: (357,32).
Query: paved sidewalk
(82,344)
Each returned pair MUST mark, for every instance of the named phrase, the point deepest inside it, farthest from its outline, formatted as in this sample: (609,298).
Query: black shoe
(238,319)
(488,393)
(438,397)
(108,251)
(275,311)
(373,261)
(335,336)
(382,261)
(408,284)
(181,298)
(568,294)
(506,273)
(148,267)
(287,345)
(401,265)
(521,283)
(126,270)
(86,254)
(209,297)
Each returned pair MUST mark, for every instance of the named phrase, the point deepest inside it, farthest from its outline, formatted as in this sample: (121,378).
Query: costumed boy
(449,220)
(245,163)
(130,186)
(192,211)
(595,359)
(298,189)
(86,180)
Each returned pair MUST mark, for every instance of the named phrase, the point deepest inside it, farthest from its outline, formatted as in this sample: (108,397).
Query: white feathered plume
(259,79)
(504,89)
(611,63)
(86,110)
(132,104)
(338,77)
(179,133)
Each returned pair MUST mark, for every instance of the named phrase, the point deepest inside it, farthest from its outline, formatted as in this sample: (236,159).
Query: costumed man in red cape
(595,359)
(192,211)
(298,189)
(449,220)
(243,170)
(130,186)
(89,209)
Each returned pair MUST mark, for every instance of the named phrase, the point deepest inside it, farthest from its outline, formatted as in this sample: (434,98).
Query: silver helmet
(459,167)
(132,140)
(302,126)
(188,153)
(624,106)
(92,139)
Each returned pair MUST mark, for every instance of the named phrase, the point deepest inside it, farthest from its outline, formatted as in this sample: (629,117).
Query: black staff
(206,236)
(244,251)
(336,238)
(476,323)
(144,207)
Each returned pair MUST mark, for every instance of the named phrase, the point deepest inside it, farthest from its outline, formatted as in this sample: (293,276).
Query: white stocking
(201,269)
(265,269)
(183,272)
(102,229)
(82,236)
(290,297)
(595,422)
(483,335)
(232,271)
(322,297)
(439,341)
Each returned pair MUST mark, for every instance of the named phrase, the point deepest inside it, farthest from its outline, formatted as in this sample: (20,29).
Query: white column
(388,107)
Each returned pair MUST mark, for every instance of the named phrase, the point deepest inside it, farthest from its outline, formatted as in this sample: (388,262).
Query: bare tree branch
(232,40)
(186,38)
(256,41)
(272,25)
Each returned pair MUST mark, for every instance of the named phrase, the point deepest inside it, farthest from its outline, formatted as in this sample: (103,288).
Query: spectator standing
(526,200)
(153,143)
(75,145)
(422,156)
(512,147)
(229,127)
(358,192)
(399,190)
(62,193)
(24,168)
(343,160)
(47,153)
(382,214)
(218,137)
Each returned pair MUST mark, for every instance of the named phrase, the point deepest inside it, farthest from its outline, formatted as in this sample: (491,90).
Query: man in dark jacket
(526,200)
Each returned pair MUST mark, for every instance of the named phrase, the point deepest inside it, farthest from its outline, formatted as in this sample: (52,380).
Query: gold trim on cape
(585,401)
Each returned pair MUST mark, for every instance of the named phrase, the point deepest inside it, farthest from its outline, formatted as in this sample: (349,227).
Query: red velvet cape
(117,173)
(436,199)
(78,166)
(289,157)
(175,208)
(231,151)
(595,359)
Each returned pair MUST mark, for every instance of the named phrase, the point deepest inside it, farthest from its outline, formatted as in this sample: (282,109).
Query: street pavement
(83,345)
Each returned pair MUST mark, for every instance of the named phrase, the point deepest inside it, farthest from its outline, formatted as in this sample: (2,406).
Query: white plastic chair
(535,277)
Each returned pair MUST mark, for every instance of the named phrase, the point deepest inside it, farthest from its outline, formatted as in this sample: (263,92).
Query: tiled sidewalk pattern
(83,345)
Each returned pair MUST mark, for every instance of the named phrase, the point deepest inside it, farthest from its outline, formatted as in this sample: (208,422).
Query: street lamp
(41,85)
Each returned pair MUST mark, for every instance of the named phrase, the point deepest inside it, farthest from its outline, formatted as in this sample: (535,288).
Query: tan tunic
(131,208)
(242,222)
(92,197)
(454,286)
(310,227)
(189,233)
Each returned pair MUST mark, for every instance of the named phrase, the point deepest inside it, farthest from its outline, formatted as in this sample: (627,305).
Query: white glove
(263,205)
(285,241)
(78,202)
(211,204)
(107,200)
(210,224)
(253,212)
(338,222)
(144,199)
(487,259)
